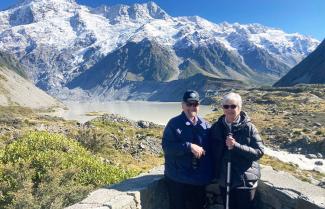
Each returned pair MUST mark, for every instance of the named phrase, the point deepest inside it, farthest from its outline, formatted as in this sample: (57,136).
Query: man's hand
(197,151)
(230,142)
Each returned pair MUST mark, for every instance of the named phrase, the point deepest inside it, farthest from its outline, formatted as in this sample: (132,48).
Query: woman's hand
(230,142)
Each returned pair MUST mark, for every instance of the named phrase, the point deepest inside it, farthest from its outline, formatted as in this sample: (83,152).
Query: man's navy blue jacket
(177,138)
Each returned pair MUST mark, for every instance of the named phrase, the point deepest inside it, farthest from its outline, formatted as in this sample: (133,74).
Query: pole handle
(229,134)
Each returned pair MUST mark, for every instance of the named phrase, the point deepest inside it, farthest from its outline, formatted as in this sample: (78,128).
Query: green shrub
(91,139)
(43,170)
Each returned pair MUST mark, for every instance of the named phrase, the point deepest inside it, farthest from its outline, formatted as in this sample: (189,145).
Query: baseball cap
(191,96)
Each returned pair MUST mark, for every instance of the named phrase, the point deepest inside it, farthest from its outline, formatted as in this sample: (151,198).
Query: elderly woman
(237,148)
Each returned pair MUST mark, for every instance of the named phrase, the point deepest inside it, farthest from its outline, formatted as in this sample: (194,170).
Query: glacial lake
(157,112)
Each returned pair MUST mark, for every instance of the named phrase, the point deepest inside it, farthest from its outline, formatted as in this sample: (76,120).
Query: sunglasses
(194,104)
(229,106)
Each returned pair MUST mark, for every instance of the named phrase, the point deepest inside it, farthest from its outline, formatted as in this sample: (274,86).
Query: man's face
(190,108)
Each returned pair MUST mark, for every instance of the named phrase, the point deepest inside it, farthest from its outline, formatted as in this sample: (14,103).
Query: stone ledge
(277,190)
(283,181)
(144,191)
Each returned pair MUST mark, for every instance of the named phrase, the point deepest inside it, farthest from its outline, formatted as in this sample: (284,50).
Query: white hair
(232,97)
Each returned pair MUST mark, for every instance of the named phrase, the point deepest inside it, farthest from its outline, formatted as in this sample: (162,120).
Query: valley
(85,93)
(288,119)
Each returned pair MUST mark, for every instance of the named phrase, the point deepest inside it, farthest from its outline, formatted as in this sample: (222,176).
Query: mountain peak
(150,9)
(24,2)
(154,9)
(41,6)
(31,11)
(136,12)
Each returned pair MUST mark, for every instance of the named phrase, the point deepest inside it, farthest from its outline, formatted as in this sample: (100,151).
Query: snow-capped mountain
(62,43)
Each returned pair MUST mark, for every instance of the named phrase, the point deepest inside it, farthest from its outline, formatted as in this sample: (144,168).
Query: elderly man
(188,166)
(234,135)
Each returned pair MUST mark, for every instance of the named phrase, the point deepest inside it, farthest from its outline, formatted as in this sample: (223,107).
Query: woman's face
(231,110)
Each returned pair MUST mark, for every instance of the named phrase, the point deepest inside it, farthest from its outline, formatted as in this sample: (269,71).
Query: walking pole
(228,176)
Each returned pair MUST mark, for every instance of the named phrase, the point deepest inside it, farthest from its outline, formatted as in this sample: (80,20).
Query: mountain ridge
(59,45)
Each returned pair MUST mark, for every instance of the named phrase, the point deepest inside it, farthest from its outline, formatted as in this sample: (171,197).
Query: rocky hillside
(311,70)
(126,50)
(17,90)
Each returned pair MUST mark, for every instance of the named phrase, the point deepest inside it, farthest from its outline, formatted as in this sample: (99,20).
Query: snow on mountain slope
(59,39)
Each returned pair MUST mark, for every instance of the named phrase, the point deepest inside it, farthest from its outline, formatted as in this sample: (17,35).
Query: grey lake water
(157,112)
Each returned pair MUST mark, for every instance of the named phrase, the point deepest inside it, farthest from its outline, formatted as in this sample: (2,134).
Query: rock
(317,124)
(293,149)
(107,161)
(142,146)
(313,181)
(297,133)
(143,124)
(318,162)
(307,130)
(322,145)
(306,139)
(321,184)
(287,140)
(16,135)
(88,125)
(40,127)
(114,118)
(207,101)
(286,113)
(311,156)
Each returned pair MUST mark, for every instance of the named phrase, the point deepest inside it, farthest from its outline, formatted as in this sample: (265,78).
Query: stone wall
(277,190)
(280,190)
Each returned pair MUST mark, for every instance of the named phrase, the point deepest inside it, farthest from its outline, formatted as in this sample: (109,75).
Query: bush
(43,170)
(91,139)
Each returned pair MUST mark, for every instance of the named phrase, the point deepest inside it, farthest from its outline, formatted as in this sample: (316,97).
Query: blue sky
(303,16)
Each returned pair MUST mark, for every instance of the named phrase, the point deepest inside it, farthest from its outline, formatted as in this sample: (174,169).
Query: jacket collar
(244,119)
(188,122)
